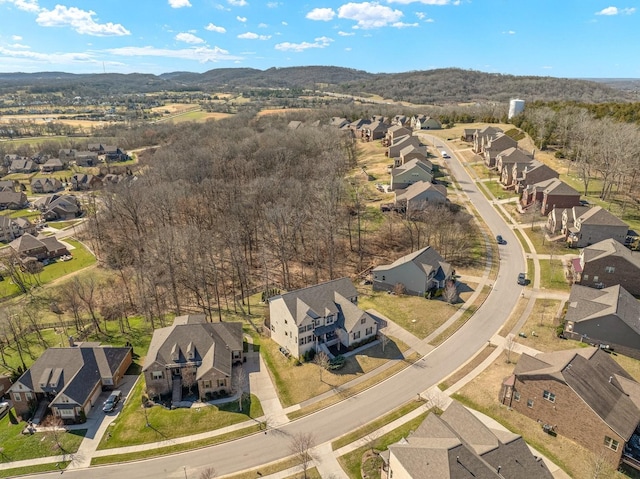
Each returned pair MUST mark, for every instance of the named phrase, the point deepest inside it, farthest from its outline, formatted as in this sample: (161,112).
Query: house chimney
(610,379)
(72,344)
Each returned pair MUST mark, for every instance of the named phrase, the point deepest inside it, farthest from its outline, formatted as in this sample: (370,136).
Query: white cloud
(19,46)
(179,3)
(616,11)
(320,42)
(346,34)
(322,14)
(262,25)
(424,2)
(200,54)
(403,25)
(420,15)
(189,38)
(369,14)
(51,58)
(16,38)
(80,20)
(215,28)
(25,5)
(273,4)
(285,23)
(241,19)
(237,3)
(510,32)
(253,36)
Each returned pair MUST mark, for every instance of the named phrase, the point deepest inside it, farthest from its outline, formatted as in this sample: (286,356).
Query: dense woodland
(244,205)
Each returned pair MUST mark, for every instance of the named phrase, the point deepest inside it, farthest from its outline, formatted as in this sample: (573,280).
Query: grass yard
(514,317)
(540,328)
(130,427)
(524,244)
(543,246)
(482,393)
(18,447)
(481,171)
(26,213)
(467,368)
(27,470)
(552,275)
(352,462)
(496,189)
(60,225)
(417,315)
(296,382)
(375,425)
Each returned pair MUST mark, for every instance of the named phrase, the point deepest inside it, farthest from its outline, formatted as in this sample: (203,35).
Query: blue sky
(560,38)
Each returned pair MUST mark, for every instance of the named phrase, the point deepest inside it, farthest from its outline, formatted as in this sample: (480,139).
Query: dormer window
(175,352)
(191,352)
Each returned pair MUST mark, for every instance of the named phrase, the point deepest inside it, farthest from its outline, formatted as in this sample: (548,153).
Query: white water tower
(515,107)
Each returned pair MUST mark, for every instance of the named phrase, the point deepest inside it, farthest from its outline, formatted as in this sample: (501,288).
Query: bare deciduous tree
(322,361)
(242,386)
(384,340)
(509,346)
(450,293)
(208,473)
(300,447)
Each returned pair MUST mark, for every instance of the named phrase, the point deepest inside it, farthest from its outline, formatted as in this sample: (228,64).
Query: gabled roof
(592,375)
(318,300)
(410,165)
(514,155)
(26,243)
(426,259)
(418,188)
(599,216)
(457,445)
(7,197)
(590,303)
(74,371)
(210,343)
(554,186)
(415,149)
(610,247)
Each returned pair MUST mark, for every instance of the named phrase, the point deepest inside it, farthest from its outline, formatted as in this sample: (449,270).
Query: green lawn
(543,246)
(17,447)
(495,187)
(26,213)
(82,258)
(60,225)
(22,471)
(552,275)
(130,427)
(352,461)
(417,315)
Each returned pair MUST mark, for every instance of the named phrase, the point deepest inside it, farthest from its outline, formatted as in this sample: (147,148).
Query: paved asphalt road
(334,421)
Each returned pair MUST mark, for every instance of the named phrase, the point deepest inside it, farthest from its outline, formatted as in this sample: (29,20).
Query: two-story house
(550,194)
(529,174)
(412,152)
(411,172)
(70,379)
(417,196)
(605,264)
(507,159)
(318,317)
(581,394)
(494,145)
(482,135)
(609,316)
(193,353)
(591,226)
(419,272)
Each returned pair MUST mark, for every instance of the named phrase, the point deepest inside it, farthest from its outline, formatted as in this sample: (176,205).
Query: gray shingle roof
(587,372)
(212,344)
(599,216)
(426,259)
(457,445)
(589,303)
(609,247)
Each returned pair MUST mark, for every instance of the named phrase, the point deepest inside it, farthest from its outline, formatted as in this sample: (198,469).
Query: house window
(206,384)
(516,396)
(610,269)
(530,403)
(302,329)
(28,396)
(595,279)
(273,327)
(16,397)
(611,443)
(363,320)
(369,331)
(383,278)
(156,375)
(66,412)
(286,322)
(329,320)
(549,396)
(222,383)
(356,335)
(585,277)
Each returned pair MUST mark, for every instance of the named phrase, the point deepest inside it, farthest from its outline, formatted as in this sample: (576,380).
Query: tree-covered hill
(450,85)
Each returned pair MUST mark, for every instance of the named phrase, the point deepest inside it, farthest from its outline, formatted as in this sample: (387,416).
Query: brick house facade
(580,394)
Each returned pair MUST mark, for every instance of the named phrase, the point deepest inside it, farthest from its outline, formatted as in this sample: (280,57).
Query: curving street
(347,415)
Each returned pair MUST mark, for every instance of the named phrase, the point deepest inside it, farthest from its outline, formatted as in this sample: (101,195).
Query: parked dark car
(112,401)
(500,240)
(522,279)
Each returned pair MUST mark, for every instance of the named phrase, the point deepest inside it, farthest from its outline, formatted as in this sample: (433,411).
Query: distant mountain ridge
(421,87)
